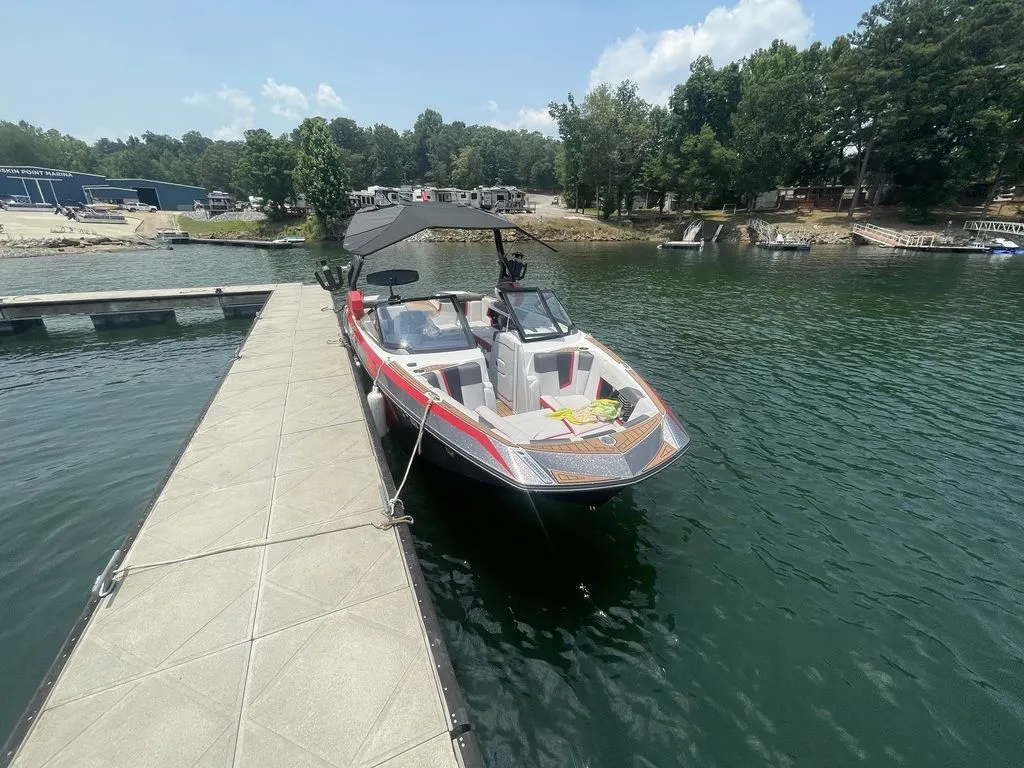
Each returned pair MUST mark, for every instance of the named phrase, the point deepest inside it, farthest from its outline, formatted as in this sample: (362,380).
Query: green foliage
(320,172)
(923,99)
(607,140)
(265,167)
(703,167)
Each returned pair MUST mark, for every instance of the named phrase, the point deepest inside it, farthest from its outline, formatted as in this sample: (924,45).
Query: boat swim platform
(121,309)
(283,619)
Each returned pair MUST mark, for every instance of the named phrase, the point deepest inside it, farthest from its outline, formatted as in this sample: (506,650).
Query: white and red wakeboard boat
(515,393)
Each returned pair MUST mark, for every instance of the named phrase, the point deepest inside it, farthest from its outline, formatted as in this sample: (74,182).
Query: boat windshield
(538,313)
(424,326)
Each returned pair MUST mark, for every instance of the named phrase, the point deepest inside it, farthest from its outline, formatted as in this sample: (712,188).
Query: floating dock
(891,238)
(267,610)
(120,309)
(768,237)
(272,244)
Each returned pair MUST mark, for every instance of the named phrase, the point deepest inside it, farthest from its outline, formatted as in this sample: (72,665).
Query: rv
(501,199)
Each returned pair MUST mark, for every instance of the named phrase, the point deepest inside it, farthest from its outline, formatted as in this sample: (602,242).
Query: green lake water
(832,576)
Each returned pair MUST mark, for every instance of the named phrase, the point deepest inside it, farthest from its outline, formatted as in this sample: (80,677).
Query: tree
(215,168)
(607,140)
(708,97)
(265,167)
(771,123)
(320,173)
(468,168)
(388,156)
(703,167)
(427,125)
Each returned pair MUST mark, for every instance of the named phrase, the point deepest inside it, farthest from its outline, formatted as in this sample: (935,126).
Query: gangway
(892,238)
(765,231)
(1009,227)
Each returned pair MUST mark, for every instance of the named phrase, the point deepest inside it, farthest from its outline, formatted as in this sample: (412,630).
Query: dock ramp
(1004,227)
(871,233)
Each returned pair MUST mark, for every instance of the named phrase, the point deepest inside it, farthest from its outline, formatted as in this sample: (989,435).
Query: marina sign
(37,172)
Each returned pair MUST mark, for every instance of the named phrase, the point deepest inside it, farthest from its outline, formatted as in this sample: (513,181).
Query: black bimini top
(373,229)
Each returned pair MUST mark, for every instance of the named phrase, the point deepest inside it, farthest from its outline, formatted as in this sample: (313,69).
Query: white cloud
(492,106)
(534,119)
(656,63)
(528,118)
(236,104)
(286,100)
(328,98)
(235,98)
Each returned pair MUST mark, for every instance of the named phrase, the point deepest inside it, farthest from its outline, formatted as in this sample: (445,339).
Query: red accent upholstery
(355,300)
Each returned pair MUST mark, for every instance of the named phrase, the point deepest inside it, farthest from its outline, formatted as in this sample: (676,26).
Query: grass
(237,230)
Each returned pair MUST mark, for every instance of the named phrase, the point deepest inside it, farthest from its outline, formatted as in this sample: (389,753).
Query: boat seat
(557,403)
(525,427)
(465,383)
(564,372)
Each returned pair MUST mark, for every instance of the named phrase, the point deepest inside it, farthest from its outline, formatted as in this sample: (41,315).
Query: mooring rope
(381,525)
(105,584)
(432,398)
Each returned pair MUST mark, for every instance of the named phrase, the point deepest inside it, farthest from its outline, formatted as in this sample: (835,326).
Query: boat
(292,239)
(784,243)
(1002,246)
(503,386)
(172,236)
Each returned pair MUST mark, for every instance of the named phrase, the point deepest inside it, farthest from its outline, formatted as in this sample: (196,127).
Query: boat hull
(442,455)
(458,443)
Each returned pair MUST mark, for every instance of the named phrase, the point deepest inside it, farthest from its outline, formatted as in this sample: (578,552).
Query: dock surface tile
(305,653)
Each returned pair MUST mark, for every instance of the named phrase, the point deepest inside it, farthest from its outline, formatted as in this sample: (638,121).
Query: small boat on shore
(503,386)
(290,239)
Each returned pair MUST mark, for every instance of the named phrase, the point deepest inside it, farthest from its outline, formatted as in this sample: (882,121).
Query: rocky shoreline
(14,249)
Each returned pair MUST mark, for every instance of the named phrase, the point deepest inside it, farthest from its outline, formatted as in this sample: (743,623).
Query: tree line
(923,99)
(433,151)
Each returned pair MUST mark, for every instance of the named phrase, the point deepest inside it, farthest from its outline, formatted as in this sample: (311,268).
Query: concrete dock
(271,244)
(269,615)
(119,309)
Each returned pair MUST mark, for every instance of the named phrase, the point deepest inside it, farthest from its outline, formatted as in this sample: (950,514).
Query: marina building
(32,184)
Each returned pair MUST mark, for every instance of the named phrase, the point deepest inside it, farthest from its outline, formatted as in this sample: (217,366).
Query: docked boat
(784,243)
(172,236)
(504,386)
(1001,246)
(290,240)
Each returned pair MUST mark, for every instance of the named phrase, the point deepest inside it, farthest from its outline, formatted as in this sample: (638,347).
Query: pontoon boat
(514,392)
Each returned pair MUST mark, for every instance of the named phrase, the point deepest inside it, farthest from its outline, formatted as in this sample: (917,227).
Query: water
(832,576)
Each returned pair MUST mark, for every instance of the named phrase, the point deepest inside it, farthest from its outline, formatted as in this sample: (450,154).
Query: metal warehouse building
(49,185)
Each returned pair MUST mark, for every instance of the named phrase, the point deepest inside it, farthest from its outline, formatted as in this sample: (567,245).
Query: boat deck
(289,630)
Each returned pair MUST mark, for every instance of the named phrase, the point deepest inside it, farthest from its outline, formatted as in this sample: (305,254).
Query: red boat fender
(355,300)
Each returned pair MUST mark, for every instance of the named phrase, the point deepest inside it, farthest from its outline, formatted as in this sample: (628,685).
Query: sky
(223,66)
